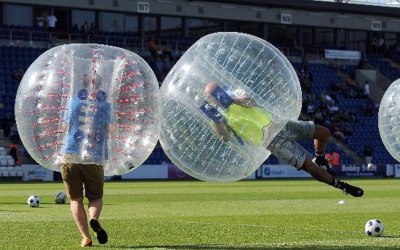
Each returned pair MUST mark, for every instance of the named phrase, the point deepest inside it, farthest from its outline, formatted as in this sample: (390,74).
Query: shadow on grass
(390,236)
(187,247)
(218,247)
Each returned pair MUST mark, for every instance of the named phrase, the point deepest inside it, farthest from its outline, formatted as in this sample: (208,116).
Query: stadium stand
(33,41)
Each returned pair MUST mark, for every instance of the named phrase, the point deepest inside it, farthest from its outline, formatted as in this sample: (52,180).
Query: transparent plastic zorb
(90,104)
(389,119)
(231,79)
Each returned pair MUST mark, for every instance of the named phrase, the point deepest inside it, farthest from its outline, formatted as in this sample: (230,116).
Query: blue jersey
(88,121)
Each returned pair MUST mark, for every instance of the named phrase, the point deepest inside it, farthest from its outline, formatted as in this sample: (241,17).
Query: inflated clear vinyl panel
(389,119)
(204,89)
(90,104)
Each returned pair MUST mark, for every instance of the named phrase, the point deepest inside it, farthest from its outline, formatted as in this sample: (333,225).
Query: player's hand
(222,131)
(246,102)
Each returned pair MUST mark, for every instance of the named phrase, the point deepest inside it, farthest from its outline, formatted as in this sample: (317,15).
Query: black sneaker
(350,189)
(324,164)
(101,234)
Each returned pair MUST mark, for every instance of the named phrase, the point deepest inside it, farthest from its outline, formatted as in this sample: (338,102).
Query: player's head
(216,95)
(209,88)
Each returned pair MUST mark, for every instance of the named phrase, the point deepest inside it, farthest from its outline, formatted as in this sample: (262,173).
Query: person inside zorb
(88,125)
(240,116)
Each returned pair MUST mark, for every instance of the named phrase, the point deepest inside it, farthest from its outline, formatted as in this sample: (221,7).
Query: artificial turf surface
(267,214)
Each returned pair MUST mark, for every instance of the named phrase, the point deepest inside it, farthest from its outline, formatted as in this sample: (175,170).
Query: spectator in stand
(337,132)
(305,79)
(152,47)
(310,109)
(75,29)
(337,88)
(349,116)
(168,53)
(14,153)
(40,22)
(308,96)
(51,21)
(347,129)
(6,124)
(374,44)
(319,117)
(114,27)
(332,107)
(159,69)
(14,136)
(366,89)
(351,91)
(382,46)
(85,28)
(333,159)
(368,150)
(326,97)
(369,108)
(18,74)
(92,28)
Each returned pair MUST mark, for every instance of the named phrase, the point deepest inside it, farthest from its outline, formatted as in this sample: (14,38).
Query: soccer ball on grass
(60,198)
(374,227)
(33,201)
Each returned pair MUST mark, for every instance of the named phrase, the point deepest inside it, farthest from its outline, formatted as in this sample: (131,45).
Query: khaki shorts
(77,176)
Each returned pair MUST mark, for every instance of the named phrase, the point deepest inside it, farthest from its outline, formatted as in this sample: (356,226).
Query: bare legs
(79,214)
(316,172)
(95,208)
(321,139)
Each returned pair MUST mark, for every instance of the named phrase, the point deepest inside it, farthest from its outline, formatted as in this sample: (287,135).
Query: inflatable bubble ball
(222,104)
(89,104)
(389,119)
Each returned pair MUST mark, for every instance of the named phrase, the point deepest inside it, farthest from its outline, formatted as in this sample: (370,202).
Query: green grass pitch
(268,214)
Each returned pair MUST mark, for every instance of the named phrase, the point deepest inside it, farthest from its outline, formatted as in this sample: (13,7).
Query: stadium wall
(216,10)
(168,171)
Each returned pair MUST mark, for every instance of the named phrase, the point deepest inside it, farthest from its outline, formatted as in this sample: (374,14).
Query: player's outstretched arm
(246,102)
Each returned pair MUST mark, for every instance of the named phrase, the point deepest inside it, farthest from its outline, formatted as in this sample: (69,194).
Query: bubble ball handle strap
(83,94)
(101,96)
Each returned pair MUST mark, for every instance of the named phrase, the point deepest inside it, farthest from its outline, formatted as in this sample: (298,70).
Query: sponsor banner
(34,172)
(361,170)
(343,54)
(159,171)
(282,171)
